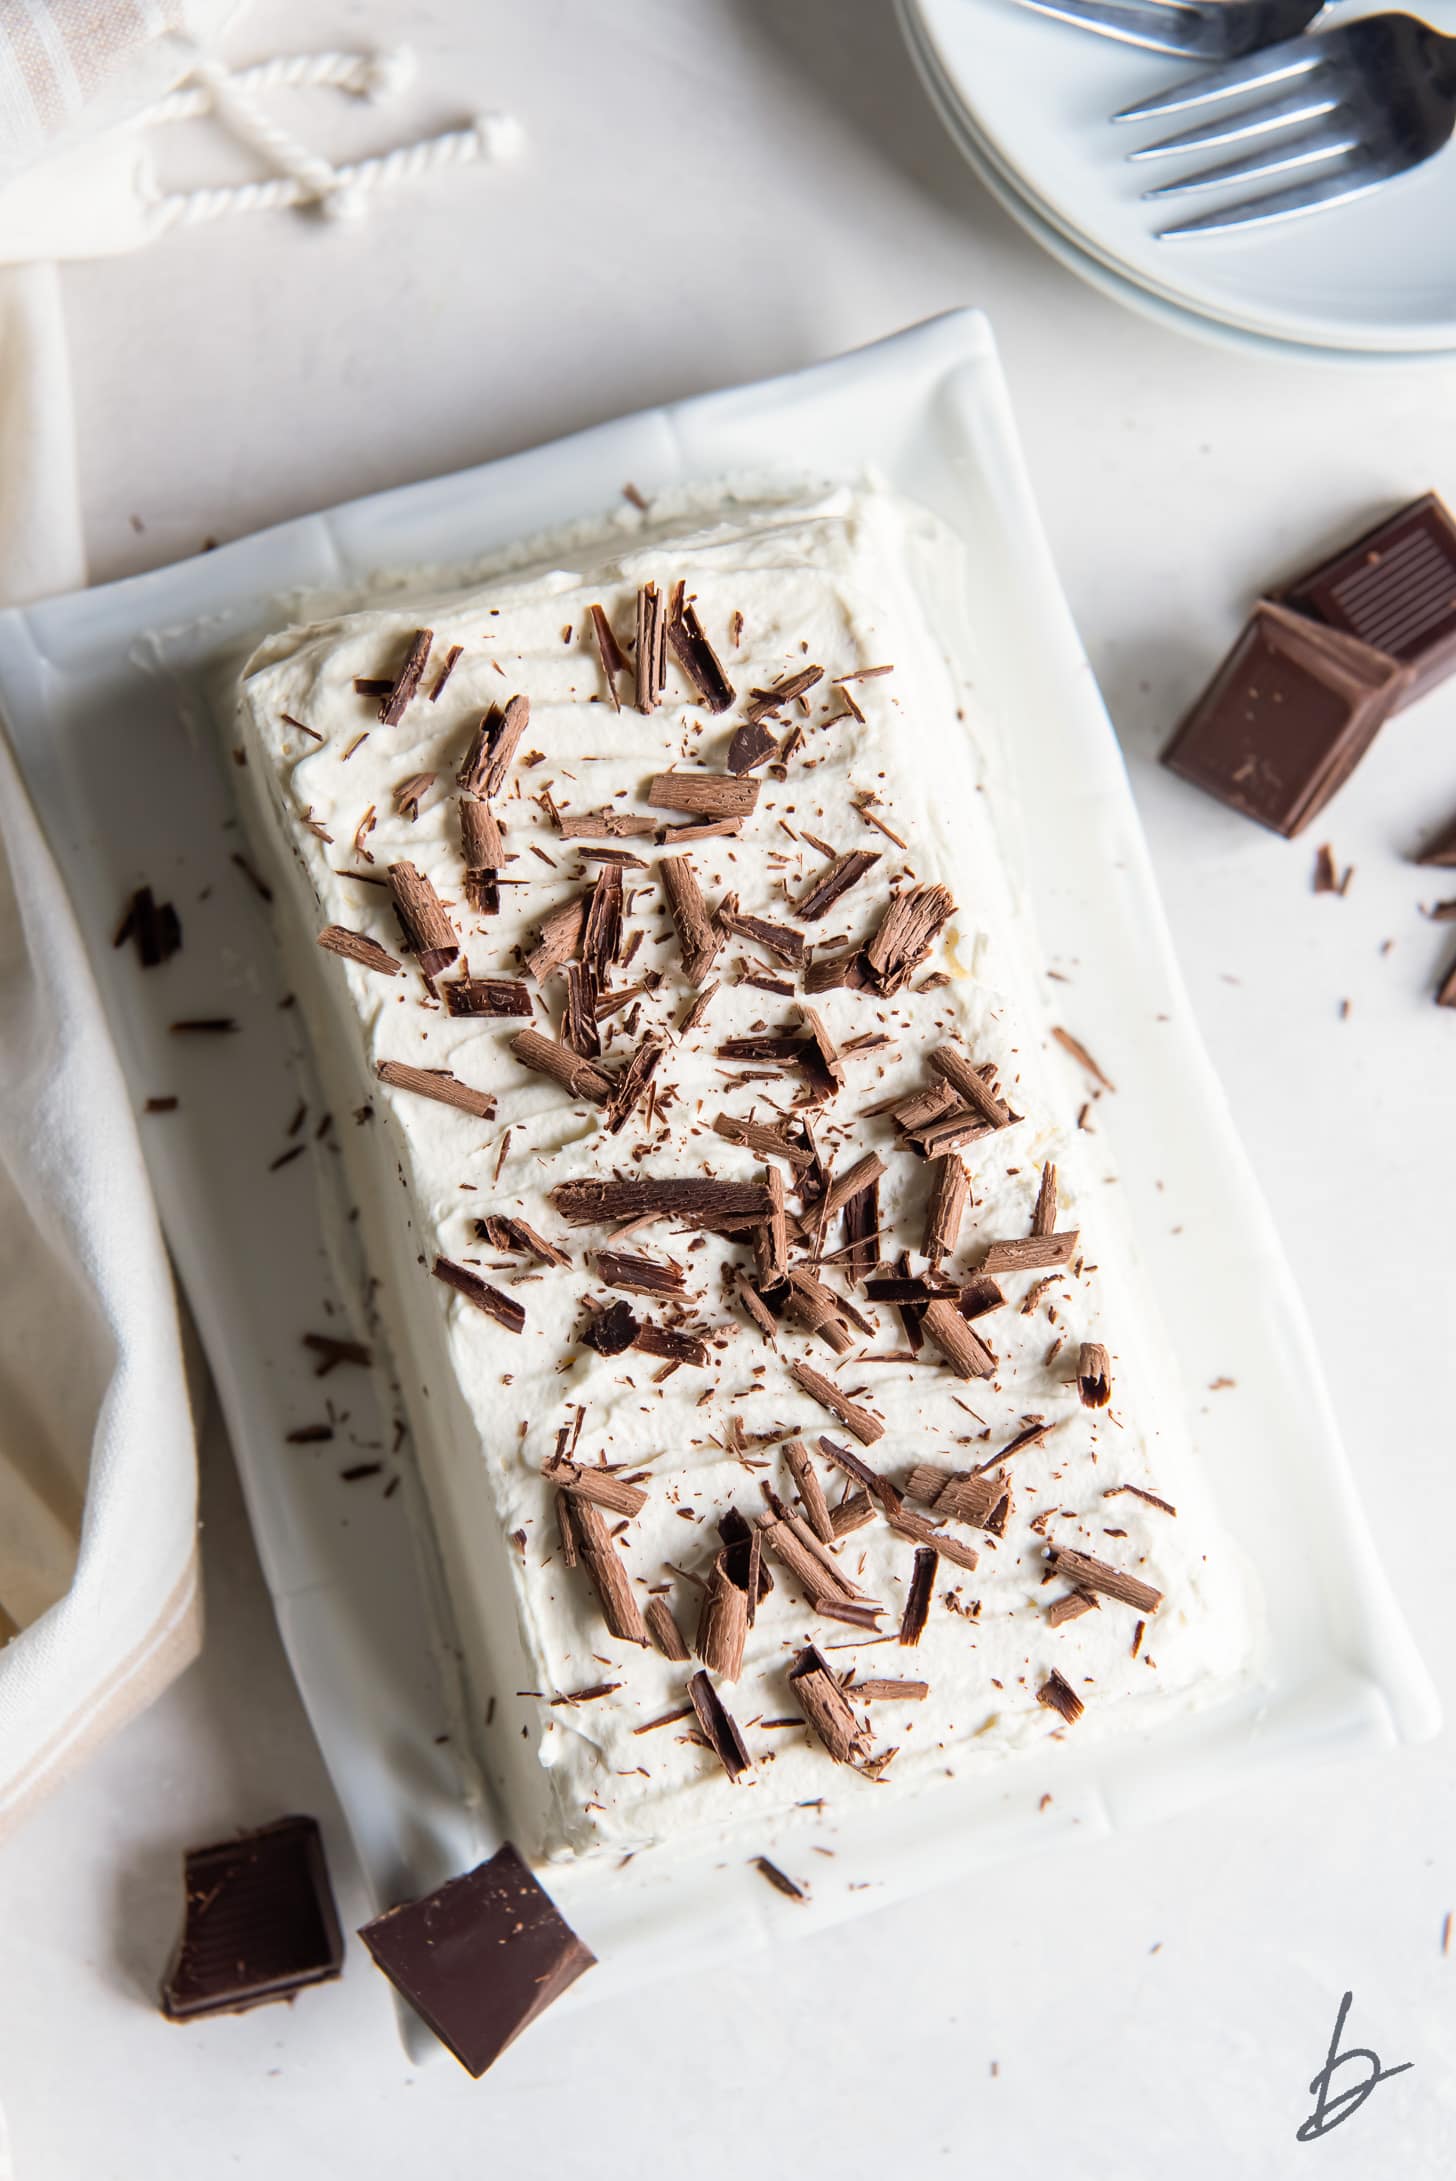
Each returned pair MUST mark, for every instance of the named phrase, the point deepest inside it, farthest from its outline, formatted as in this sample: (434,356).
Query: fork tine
(1354,176)
(1275,158)
(1295,57)
(1306,103)
(1158,25)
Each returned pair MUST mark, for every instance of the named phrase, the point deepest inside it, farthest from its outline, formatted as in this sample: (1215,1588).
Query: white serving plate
(1080,254)
(107,695)
(1362,278)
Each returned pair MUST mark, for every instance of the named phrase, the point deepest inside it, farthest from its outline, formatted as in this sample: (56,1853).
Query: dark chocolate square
(260,1924)
(1395,589)
(1286,718)
(479,1958)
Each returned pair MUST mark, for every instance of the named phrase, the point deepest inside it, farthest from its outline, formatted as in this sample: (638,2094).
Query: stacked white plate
(1028,101)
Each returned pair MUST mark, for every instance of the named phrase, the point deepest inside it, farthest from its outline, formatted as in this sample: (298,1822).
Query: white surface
(1362,276)
(103,711)
(1175,479)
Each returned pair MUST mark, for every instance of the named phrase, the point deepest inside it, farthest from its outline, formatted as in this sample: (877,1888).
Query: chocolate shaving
(704,794)
(768,1142)
(827,1708)
(810,1491)
(1084,1059)
(670,1641)
(710,829)
(695,1201)
(392,705)
(907,931)
(204,1026)
(862,1231)
(493,996)
(1446,989)
(451,658)
(862,1175)
(1059,1696)
(720,1730)
(851,1514)
(699,937)
(372,685)
(515,1236)
(1085,1573)
(613,659)
(493,747)
(502,1308)
(963,1348)
(601,938)
(836,973)
(1044,1217)
(750,747)
(890,1692)
(1149,1499)
(1440,853)
(1032,1252)
(355,947)
(773,699)
(771,1236)
(820,1060)
(698,660)
(480,837)
(439,1084)
(959,1072)
(633,1082)
(611,1332)
(866,1428)
(723,1623)
(331,1351)
(600,1486)
(604,825)
(558,937)
(780,940)
(661,1340)
(1032,1435)
(979,1295)
(428,931)
(1070,1608)
(580,1076)
(640,1275)
(922,1589)
(411,793)
(1094,1375)
(604,1565)
(812,1306)
(950,1193)
(579,1023)
(153,925)
(651,662)
(780,1880)
(831,885)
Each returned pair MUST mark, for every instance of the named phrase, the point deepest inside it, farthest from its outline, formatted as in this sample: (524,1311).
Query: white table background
(715,190)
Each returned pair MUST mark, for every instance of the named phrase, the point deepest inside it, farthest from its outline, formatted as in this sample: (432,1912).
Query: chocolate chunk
(1394,589)
(1286,719)
(752,745)
(153,927)
(493,996)
(480,1958)
(260,1923)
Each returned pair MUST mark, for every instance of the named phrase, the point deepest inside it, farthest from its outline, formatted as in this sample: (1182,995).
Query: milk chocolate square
(480,1958)
(1289,714)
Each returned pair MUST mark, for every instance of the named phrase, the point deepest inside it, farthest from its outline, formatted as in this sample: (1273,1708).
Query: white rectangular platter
(112,698)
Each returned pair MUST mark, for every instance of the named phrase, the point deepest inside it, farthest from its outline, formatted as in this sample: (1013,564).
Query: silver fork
(1210,30)
(1338,113)
(1197,29)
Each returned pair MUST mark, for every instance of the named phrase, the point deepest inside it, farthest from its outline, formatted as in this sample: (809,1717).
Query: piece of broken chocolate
(1394,589)
(480,1958)
(1286,719)
(153,926)
(260,1922)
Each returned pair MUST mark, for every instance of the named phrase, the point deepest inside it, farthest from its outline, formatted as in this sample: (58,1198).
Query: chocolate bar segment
(260,1924)
(1394,589)
(1287,717)
(479,1958)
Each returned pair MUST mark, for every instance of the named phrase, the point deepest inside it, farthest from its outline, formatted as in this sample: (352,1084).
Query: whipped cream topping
(839,581)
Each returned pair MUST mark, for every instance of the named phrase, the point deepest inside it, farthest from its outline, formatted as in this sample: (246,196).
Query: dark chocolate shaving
(831,885)
(407,682)
(720,1730)
(428,931)
(439,1084)
(502,1308)
(492,996)
(695,1201)
(1059,1696)
(1094,1375)
(698,660)
(153,926)
(354,946)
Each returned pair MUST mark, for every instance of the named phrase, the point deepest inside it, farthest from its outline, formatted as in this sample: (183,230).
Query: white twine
(303,177)
(491,137)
